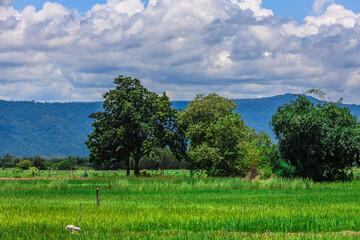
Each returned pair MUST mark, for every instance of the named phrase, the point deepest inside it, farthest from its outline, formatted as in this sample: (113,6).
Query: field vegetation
(13,173)
(178,207)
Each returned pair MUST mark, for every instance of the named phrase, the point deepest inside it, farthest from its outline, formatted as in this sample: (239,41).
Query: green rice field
(179,208)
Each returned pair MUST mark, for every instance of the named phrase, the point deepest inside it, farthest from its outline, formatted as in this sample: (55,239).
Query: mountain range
(29,128)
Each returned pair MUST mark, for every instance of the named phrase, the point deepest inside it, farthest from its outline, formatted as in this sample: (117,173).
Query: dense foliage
(160,158)
(45,129)
(25,163)
(60,129)
(220,143)
(321,141)
(135,121)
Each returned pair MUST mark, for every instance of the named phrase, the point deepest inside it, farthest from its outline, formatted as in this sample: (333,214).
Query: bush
(144,173)
(284,169)
(58,184)
(24,164)
(33,171)
(39,163)
(266,173)
(16,172)
(63,165)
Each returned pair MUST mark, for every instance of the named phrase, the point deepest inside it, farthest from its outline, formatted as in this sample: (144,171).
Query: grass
(180,208)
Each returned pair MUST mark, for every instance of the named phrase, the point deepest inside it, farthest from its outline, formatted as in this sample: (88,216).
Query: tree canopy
(134,122)
(321,141)
(220,143)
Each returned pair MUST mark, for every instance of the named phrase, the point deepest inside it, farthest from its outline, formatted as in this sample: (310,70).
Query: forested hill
(45,129)
(60,129)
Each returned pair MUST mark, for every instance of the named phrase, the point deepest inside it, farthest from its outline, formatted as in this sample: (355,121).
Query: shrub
(144,173)
(24,164)
(58,184)
(33,171)
(16,172)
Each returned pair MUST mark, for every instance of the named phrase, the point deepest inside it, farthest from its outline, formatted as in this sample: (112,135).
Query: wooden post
(80,217)
(5,172)
(97,197)
(49,172)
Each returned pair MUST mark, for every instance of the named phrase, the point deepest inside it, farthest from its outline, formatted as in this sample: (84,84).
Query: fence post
(80,216)
(97,197)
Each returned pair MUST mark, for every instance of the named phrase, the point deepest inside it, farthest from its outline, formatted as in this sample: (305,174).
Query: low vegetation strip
(179,208)
(167,183)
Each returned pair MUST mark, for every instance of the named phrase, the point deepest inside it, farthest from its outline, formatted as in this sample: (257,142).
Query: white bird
(72,228)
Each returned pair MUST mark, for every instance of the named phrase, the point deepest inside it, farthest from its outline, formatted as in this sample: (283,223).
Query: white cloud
(183,47)
(319,5)
(255,7)
(129,7)
(354,80)
(334,15)
(6,3)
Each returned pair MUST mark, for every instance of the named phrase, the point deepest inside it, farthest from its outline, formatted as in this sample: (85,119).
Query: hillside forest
(138,129)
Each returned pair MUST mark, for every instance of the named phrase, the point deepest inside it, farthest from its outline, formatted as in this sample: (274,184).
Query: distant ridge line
(59,129)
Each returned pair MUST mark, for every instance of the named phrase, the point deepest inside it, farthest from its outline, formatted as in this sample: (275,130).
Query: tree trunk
(127,166)
(136,170)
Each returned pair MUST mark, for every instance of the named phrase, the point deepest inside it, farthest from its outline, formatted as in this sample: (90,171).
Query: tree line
(318,141)
(24,163)
(160,158)
(139,129)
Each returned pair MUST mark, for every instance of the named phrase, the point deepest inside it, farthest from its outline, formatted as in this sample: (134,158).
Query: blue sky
(297,9)
(236,48)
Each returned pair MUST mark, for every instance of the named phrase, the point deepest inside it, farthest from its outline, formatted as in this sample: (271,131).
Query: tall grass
(157,184)
(165,183)
(180,208)
(58,184)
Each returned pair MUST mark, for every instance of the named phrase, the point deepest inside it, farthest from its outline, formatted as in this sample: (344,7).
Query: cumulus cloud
(254,6)
(6,3)
(182,47)
(319,5)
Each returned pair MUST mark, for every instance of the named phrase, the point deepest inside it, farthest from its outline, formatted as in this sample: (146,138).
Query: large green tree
(321,141)
(39,162)
(134,121)
(220,143)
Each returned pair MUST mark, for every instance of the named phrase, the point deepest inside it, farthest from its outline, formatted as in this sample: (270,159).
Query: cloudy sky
(72,50)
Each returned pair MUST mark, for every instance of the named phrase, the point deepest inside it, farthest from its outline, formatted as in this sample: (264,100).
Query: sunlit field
(168,207)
